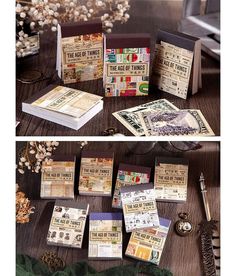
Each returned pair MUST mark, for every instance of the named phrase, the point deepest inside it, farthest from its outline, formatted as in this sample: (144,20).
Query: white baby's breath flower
(55,143)
(54,29)
(54,21)
(21,171)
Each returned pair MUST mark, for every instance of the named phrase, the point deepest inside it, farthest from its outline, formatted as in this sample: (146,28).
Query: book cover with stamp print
(105,236)
(171,179)
(57,177)
(67,224)
(126,65)
(128,175)
(96,170)
(80,45)
(147,245)
(139,207)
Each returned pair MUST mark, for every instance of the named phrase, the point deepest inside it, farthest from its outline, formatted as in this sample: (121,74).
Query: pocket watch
(183,226)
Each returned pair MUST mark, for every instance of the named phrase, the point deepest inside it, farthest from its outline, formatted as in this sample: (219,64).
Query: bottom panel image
(121,208)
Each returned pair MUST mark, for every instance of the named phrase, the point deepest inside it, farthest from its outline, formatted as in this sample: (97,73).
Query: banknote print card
(126,64)
(189,122)
(57,177)
(96,170)
(177,63)
(171,179)
(147,245)
(129,175)
(80,51)
(67,224)
(139,207)
(105,236)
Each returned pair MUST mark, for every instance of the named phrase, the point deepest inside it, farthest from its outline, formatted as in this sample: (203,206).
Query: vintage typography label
(172,69)
(170,181)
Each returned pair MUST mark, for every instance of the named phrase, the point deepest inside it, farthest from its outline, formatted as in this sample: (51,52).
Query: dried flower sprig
(34,153)
(83,144)
(23,208)
(46,14)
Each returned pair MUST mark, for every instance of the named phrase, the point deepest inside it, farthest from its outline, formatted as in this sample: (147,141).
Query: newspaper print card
(96,176)
(130,119)
(180,122)
(171,180)
(172,69)
(139,207)
(82,57)
(67,226)
(148,244)
(127,72)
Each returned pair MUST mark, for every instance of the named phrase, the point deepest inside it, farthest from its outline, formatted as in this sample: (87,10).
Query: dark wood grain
(146,16)
(181,255)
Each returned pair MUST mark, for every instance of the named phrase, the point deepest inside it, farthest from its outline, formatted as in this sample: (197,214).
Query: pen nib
(201,177)
(202,181)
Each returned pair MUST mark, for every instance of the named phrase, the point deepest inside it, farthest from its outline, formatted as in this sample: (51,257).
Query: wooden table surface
(146,16)
(181,255)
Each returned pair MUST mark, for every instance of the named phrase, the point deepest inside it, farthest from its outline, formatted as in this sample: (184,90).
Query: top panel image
(124,68)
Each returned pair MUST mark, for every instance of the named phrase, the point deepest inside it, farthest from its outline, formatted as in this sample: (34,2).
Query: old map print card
(147,245)
(126,66)
(139,207)
(57,177)
(67,224)
(172,123)
(171,179)
(129,175)
(172,69)
(96,170)
(105,236)
(130,119)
